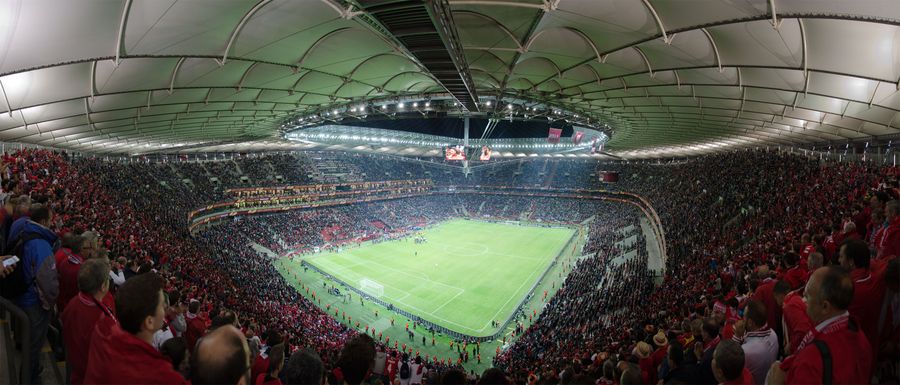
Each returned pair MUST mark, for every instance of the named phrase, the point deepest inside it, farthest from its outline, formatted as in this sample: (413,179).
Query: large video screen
(485,153)
(455,153)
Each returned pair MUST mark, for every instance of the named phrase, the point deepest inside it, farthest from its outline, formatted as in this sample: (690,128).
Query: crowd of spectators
(752,236)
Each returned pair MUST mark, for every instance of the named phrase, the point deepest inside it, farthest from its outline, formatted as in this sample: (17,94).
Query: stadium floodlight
(400,105)
(415,104)
(384,106)
(509,106)
(427,104)
(487,103)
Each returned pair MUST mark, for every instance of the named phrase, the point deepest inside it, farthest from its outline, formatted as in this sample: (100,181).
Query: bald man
(836,347)
(221,357)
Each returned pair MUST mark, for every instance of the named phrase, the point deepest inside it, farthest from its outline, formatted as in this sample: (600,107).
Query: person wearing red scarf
(868,289)
(125,355)
(82,315)
(828,295)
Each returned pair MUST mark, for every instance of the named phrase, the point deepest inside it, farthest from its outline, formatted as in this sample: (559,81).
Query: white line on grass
(415,276)
(510,299)
(448,301)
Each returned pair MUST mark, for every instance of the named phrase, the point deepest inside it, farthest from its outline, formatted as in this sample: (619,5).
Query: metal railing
(8,309)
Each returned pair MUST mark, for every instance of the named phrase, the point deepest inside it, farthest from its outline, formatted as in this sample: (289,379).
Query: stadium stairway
(655,262)
(549,179)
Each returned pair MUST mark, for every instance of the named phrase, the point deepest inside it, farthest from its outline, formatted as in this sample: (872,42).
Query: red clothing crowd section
(736,224)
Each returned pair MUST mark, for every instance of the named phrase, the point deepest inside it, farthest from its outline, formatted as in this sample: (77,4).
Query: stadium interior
(449,192)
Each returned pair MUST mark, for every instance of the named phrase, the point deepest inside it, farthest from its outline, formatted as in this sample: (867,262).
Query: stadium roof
(668,77)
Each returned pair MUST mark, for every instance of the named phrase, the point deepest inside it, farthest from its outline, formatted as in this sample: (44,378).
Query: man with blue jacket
(36,243)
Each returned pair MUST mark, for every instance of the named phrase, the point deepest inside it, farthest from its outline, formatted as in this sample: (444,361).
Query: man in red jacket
(795,323)
(764,293)
(68,262)
(81,316)
(889,244)
(868,289)
(124,355)
(828,295)
(796,272)
(196,324)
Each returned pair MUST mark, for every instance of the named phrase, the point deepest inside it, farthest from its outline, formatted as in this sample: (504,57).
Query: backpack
(404,370)
(15,284)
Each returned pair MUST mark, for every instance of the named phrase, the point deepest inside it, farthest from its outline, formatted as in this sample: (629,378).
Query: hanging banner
(576,139)
(554,135)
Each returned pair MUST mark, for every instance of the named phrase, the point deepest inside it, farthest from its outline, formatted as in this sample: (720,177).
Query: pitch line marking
(448,301)
(499,309)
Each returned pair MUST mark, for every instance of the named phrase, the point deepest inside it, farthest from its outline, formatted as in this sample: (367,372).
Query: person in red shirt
(390,367)
(796,272)
(764,293)
(828,295)
(662,348)
(68,261)
(276,363)
(850,231)
(806,246)
(815,261)
(124,354)
(868,289)
(726,324)
(875,229)
(889,244)
(795,323)
(261,362)
(81,316)
(728,364)
(196,325)
(222,357)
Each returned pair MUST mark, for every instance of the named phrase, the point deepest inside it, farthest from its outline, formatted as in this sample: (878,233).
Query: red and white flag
(576,139)
(555,134)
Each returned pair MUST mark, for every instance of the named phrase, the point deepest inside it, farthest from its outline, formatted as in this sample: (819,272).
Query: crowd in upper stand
(771,256)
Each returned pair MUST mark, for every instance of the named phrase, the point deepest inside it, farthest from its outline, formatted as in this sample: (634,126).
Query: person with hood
(35,244)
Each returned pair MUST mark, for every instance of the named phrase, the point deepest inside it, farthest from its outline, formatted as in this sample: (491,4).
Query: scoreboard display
(455,153)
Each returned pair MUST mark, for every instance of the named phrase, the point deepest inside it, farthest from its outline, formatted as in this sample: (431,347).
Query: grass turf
(467,273)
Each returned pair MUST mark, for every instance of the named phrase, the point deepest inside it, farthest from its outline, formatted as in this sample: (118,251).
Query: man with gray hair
(90,244)
(82,313)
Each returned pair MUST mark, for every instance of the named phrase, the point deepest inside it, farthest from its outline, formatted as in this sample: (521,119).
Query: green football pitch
(466,274)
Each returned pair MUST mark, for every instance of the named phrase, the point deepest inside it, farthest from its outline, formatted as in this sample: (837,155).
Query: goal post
(371,287)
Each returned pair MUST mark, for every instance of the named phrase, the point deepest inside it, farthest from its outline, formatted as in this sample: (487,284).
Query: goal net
(374,289)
